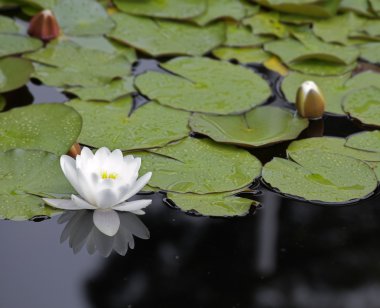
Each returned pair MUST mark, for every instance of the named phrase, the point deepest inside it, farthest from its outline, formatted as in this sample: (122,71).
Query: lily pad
(240,36)
(360,7)
(308,46)
(109,124)
(13,44)
(8,25)
(242,55)
(261,126)
(65,63)
(267,24)
(200,166)
(333,145)
(82,17)
(25,175)
(323,8)
(160,37)
(321,68)
(49,127)
(173,9)
(321,177)
(217,205)
(205,85)
(111,91)
(367,141)
(364,105)
(370,52)
(14,73)
(217,9)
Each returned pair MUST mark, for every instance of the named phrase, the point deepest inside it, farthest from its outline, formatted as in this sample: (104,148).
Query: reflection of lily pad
(217,9)
(49,127)
(108,124)
(219,204)
(65,63)
(12,44)
(242,55)
(14,73)
(163,9)
(332,145)
(367,141)
(321,176)
(259,127)
(82,17)
(108,92)
(200,166)
(205,85)
(364,105)
(24,174)
(160,37)
(308,46)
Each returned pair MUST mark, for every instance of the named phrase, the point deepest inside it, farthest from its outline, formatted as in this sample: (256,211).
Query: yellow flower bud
(310,102)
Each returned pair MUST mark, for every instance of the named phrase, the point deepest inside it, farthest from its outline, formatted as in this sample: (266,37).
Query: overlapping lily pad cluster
(194,89)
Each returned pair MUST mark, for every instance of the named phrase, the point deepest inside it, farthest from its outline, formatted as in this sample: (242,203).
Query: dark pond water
(286,254)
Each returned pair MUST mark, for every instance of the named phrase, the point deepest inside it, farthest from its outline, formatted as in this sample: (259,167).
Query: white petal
(106,198)
(63,204)
(69,170)
(107,221)
(86,187)
(85,155)
(131,206)
(138,212)
(128,158)
(82,204)
(102,154)
(140,183)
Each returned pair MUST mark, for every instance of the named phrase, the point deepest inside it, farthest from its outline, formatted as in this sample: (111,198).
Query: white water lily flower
(104,181)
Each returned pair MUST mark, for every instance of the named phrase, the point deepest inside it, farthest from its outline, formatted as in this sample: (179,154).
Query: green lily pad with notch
(8,25)
(109,124)
(364,105)
(321,68)
(205,85)
(333,145)
(67,64)
(262,126)
(102,43)
(216,205)
(370,52)
(324,8)
(242,55)
(82,17)
(217,9)
(13,44)
(110,92)
(241,36)
(366,141)
(50,127)
(308,46)
(267,23)
(200,166)
(172,9)
(14,73)
(161,37)
(320,176)
(24,176)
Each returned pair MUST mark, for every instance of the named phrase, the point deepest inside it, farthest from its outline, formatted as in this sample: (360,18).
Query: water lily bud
(74,150)
(310,102)
(44,26)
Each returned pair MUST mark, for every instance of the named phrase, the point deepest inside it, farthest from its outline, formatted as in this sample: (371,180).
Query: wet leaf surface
(25,175)
(200,166)
(262,126)
(205,85)
(110,125)
(320,176)
(49,127)
(366,141)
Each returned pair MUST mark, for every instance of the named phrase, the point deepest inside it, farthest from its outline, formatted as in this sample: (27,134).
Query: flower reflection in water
(81,231)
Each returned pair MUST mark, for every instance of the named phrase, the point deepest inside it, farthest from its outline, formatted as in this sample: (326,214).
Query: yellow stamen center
(105,175)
